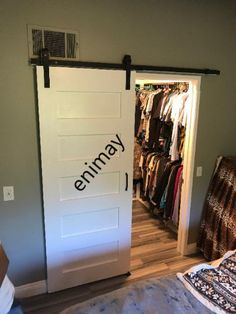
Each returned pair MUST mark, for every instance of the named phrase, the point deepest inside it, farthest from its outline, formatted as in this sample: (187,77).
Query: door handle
(126,181)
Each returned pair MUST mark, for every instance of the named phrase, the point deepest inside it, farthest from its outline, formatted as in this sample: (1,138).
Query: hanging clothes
(161,134)
(154,126)
(163,196)
(178,107)
(138,113)
(137,175)
(177,196)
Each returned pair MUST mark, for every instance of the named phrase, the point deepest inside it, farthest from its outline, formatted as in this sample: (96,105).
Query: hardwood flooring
(153,254)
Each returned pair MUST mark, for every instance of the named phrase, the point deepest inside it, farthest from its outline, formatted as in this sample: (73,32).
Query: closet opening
(166,116)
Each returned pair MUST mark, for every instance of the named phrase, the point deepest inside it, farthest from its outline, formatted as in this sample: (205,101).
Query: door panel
(105,183)
(83,146)
(86,135)
(108,105)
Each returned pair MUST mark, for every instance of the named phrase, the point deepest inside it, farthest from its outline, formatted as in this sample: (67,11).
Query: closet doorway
(177,149)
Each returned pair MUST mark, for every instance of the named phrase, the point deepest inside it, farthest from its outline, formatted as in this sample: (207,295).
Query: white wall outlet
(8,193)
(199,172)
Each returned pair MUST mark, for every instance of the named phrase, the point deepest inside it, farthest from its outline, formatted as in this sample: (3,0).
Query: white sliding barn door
(86,135)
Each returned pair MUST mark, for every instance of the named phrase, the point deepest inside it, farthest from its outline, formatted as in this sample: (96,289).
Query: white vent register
(61,44)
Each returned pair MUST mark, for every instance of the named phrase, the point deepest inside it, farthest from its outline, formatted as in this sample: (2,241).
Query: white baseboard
(191,249)
(31,289)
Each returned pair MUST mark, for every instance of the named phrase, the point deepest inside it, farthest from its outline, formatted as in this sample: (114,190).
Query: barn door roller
(126,65)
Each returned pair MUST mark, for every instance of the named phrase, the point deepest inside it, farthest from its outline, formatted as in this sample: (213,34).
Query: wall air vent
(62,44)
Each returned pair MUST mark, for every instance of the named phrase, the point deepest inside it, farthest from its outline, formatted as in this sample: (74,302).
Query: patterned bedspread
(154,296)
(214,285)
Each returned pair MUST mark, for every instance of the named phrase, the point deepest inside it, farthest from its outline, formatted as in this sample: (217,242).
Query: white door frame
(189,149)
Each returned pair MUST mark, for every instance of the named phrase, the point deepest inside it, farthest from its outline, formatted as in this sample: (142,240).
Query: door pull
(126,181)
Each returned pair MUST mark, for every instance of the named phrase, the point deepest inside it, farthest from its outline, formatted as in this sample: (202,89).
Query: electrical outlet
(8,193)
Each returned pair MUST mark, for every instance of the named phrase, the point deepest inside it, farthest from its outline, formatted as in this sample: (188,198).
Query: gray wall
(185,33)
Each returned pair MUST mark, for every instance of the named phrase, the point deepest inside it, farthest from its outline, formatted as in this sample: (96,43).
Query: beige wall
(184,33)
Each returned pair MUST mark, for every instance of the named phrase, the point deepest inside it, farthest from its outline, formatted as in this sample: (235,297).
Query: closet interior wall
(161,115)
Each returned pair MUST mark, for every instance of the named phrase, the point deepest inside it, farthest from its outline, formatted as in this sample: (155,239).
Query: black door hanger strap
(127,68)
(44,61)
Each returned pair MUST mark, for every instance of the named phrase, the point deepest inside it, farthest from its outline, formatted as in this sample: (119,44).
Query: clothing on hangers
(161,134)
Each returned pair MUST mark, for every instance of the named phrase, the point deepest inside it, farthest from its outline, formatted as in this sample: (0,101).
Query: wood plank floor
(153,254)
